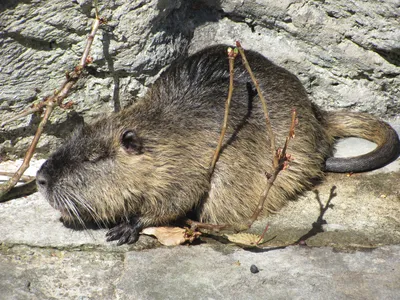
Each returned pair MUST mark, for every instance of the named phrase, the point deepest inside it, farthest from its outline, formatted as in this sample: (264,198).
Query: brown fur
(148,164)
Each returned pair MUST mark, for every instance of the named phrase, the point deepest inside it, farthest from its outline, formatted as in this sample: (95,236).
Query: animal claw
(125,233)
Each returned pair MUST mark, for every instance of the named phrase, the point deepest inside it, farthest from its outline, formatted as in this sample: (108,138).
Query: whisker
(88,208)
(66,199)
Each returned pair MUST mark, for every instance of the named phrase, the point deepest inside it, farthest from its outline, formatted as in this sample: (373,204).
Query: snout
(45,183)
(43,178)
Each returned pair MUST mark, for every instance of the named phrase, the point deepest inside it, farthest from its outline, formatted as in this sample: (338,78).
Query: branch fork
(280,157)
(48,104)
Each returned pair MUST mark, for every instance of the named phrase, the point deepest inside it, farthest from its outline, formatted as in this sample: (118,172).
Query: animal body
(148,164)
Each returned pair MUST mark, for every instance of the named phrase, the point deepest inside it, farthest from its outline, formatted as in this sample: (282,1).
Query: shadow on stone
(317,226)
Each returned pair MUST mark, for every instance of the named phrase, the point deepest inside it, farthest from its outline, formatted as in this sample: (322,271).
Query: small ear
(131,142)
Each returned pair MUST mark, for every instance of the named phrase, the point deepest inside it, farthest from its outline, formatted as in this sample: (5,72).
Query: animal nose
(42,180)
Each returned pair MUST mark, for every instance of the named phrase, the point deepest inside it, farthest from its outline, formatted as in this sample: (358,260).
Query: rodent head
(128,164)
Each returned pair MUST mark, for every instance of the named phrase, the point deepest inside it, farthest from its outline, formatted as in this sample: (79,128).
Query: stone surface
(34,273)
(292,273)
(345,53)
(200,272)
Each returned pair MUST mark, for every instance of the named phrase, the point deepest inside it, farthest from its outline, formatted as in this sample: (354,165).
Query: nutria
(149,163)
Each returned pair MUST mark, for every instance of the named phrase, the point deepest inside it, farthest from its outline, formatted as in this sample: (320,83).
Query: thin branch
(280,159)
(20,191)
(6,187)
(26,112)
(96,23)
(50,103)
(194,225)
(231,56)
(72,77)
(96,10)
(23,178)
(262,235)
(263,101)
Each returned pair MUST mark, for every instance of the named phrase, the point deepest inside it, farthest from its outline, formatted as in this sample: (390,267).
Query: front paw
(125,233)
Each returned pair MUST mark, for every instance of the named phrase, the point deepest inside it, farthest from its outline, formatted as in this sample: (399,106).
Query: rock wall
(346,53)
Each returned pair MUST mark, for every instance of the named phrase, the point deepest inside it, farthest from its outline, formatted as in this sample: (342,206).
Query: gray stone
(345,53)
(200,272)
(34,273)
(291,273)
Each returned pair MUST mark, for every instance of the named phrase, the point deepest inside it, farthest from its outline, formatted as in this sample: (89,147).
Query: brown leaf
(171,236)
(245,239)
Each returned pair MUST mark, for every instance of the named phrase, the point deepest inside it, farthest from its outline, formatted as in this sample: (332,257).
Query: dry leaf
(246,239)
(171,236)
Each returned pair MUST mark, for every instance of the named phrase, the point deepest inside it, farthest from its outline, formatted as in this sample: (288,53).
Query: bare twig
(262,235)
(263,101)
(96,11)
(194,225)
(23,178)
(26,112)
(20,191)
(85,57)
(231,56)
(6,187)
(50,103)
(280,158)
